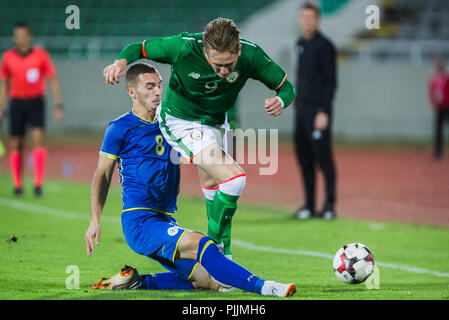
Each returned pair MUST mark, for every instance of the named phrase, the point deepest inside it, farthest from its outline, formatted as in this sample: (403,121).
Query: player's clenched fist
(273,106)
(114,71)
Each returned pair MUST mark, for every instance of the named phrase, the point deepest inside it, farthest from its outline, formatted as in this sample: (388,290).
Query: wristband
(281,101)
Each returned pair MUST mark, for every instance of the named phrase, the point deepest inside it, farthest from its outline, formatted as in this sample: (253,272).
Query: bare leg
(206,180)
(37,137)
(16,143)
(221,166)
(200,279)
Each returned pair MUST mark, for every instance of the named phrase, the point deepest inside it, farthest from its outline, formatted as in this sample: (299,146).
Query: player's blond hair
(222,35)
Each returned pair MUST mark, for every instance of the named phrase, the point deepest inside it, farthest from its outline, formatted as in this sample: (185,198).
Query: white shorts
(190,137)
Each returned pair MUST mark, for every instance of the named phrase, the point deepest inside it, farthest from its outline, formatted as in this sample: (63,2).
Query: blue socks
(224,270)
(164,281)
(219,267)
(171,280)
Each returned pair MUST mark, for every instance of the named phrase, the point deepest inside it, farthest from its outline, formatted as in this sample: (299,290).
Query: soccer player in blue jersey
(150,185)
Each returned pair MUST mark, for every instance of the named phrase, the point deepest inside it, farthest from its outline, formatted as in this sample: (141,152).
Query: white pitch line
(50,211)
(329,256)
(72,215)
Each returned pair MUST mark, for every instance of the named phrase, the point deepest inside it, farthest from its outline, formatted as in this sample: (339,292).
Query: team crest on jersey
(172,231)
(197,134)
(233,77)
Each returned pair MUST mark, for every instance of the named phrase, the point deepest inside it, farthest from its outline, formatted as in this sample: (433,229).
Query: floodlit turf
(50,238)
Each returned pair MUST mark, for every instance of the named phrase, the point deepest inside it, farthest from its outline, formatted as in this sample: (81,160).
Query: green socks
(220,212)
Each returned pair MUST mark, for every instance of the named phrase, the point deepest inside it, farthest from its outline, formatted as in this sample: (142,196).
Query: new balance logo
(194,75)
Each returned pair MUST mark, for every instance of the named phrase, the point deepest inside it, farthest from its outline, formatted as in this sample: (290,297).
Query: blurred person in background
(2,153)
(2,148)
(439,99)
(23,70)
(315,86)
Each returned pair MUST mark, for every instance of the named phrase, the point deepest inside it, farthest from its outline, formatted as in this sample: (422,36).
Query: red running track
(378,184)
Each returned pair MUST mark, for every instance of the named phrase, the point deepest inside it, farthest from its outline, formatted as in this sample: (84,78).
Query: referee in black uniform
(315,88)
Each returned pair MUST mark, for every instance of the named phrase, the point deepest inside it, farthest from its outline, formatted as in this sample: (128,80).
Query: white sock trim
(233,186)
(209,193)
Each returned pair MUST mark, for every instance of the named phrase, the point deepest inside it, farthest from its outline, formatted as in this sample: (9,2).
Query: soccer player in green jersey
(208,70)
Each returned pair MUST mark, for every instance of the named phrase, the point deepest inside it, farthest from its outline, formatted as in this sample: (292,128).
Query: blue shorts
(156,235)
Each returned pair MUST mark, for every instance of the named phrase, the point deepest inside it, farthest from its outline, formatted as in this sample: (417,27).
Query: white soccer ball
(353,263)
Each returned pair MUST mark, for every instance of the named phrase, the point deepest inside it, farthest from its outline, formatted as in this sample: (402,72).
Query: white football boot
(276,289)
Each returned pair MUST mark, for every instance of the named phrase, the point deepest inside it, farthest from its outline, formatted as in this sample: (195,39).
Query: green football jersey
(195,92)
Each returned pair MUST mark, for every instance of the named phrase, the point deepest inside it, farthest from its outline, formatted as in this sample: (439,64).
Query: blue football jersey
(149,176)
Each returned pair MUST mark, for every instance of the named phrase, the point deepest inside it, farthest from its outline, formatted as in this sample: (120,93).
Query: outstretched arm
(99,192)
(163,50)
(128,55)
(272,76)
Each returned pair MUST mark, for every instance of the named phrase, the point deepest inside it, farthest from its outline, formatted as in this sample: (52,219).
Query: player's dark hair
(222,35)
(136,69)
(311,6)
(23,24)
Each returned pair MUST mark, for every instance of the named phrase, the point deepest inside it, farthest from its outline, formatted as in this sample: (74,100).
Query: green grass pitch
(413,259)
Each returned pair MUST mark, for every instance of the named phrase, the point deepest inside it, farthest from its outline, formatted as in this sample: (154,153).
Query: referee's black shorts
(23,112)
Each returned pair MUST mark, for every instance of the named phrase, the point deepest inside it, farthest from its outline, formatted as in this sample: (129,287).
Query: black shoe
(18,192)
(38,191)
(304,213)
(328,214)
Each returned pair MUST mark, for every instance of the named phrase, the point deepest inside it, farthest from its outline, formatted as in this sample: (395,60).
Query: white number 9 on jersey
(211,86)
